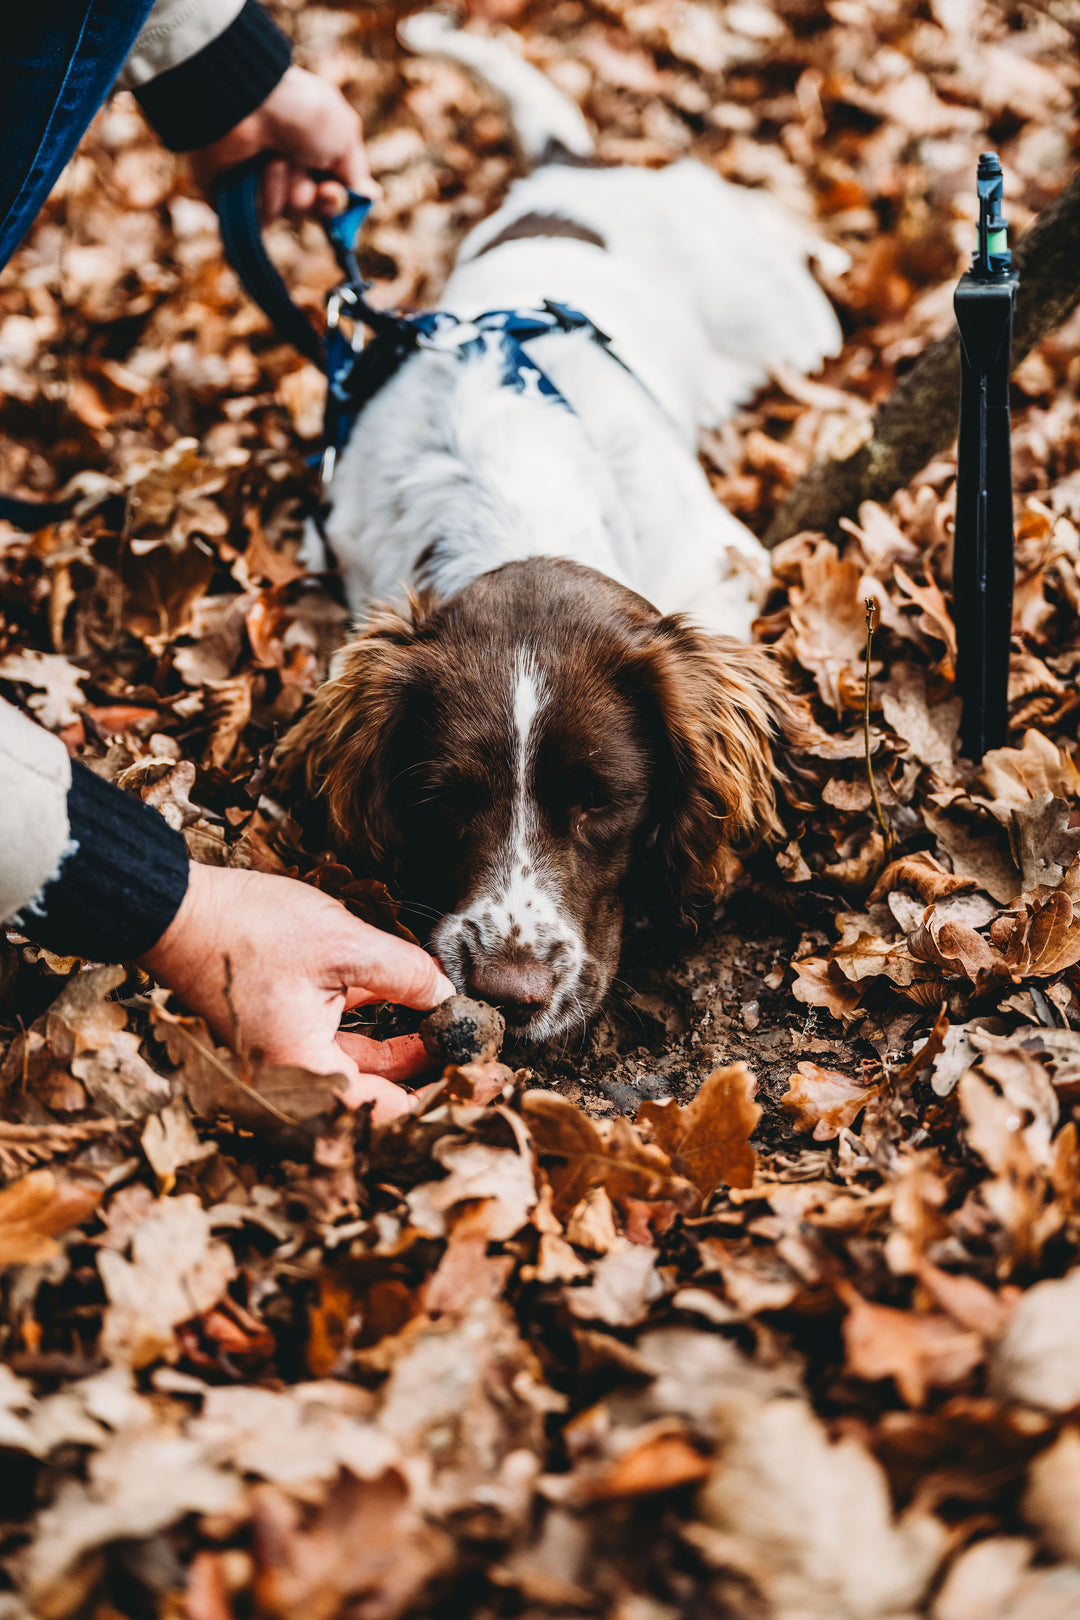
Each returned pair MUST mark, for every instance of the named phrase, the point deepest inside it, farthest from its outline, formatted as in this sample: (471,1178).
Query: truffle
(463,1031)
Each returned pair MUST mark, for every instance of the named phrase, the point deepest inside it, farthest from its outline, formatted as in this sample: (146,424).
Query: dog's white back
(702,288)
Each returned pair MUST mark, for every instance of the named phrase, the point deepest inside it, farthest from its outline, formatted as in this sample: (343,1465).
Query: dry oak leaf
(985,1580)
(1015,776)
(957,950)
(295,1436)
(175,1272)
(1043,939)
(169,1142)
(929,729)
(1044,840)
(923,875)
(256,1095)
(365,1551)
(55,699)
(815,986)
(35,1209)
(579,1157)
(708,1141)
(934,619)
(466,1271)
(829,620)
(823,1100)
(811,1521)
(919,1352)
(503,1178)
(625,1283)
(1037,1359)
(658,1462)
(141,1483)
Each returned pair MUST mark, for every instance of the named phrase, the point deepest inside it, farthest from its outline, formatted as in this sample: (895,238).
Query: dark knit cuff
(119,885)
(202,99)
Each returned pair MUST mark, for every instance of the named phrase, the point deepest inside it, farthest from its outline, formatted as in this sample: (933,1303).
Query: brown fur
(533,225)
(656,742)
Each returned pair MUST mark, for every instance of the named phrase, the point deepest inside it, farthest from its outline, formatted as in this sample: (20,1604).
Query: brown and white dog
(564,695)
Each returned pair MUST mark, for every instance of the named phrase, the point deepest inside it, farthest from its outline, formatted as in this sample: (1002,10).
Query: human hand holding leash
(316,138)
(274,963)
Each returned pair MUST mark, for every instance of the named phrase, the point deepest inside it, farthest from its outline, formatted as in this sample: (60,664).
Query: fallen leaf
(625,1283)
(815,986)
(138,1485)
(828,618)
(56,698)
(929,729)
(365,1550)
(824,1100)
(578,1157)
(467,1272)
(1037,1360)
(33,1212)
(256,1095)
(985,1579)
(811,1519)
(169,1142)
(919,1352)
(1051,1504)
(955,949)
(175,1273)
(923,875)
(1013,777)
(501,1177)
(934,618)
(660,1462)
(708,1141)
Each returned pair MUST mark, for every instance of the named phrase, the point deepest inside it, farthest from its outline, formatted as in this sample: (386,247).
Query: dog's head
(514,757)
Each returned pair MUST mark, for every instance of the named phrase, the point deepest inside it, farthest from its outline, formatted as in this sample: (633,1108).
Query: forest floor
(759,1302)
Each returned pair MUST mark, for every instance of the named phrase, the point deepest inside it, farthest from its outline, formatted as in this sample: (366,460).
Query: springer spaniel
(564,694)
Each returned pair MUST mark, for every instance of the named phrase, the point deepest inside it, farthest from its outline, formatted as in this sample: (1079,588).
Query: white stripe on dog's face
(516,909)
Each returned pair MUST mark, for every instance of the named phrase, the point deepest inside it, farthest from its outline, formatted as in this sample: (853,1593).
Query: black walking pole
(983,555)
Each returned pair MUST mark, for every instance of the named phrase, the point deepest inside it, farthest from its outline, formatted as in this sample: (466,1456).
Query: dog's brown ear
(723,708)
(341,747)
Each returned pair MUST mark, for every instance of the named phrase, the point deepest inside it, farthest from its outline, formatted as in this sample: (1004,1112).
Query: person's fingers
(301,193)
(396,1059)
(390,1101)
(275,188)
(330,198)
(352,168)
(383,967)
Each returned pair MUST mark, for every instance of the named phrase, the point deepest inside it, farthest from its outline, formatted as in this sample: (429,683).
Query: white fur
(517,901)
(703,289)
(541,113)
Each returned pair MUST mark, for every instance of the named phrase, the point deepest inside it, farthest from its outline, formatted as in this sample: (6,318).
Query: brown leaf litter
(761,1303)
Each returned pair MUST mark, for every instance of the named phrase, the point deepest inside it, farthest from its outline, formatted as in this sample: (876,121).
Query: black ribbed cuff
(202,99)
(120,884)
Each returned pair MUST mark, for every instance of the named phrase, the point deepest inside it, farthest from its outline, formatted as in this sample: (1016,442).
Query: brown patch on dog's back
(530,226)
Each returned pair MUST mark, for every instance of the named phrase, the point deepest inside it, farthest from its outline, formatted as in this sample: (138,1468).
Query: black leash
(30,516)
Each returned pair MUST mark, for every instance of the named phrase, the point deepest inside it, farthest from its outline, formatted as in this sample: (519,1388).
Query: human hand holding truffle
(273,963)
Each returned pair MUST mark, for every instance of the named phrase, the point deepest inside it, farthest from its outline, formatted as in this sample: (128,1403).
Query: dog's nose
(520,988)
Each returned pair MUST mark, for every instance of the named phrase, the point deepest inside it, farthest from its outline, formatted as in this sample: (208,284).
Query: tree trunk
(919,417)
